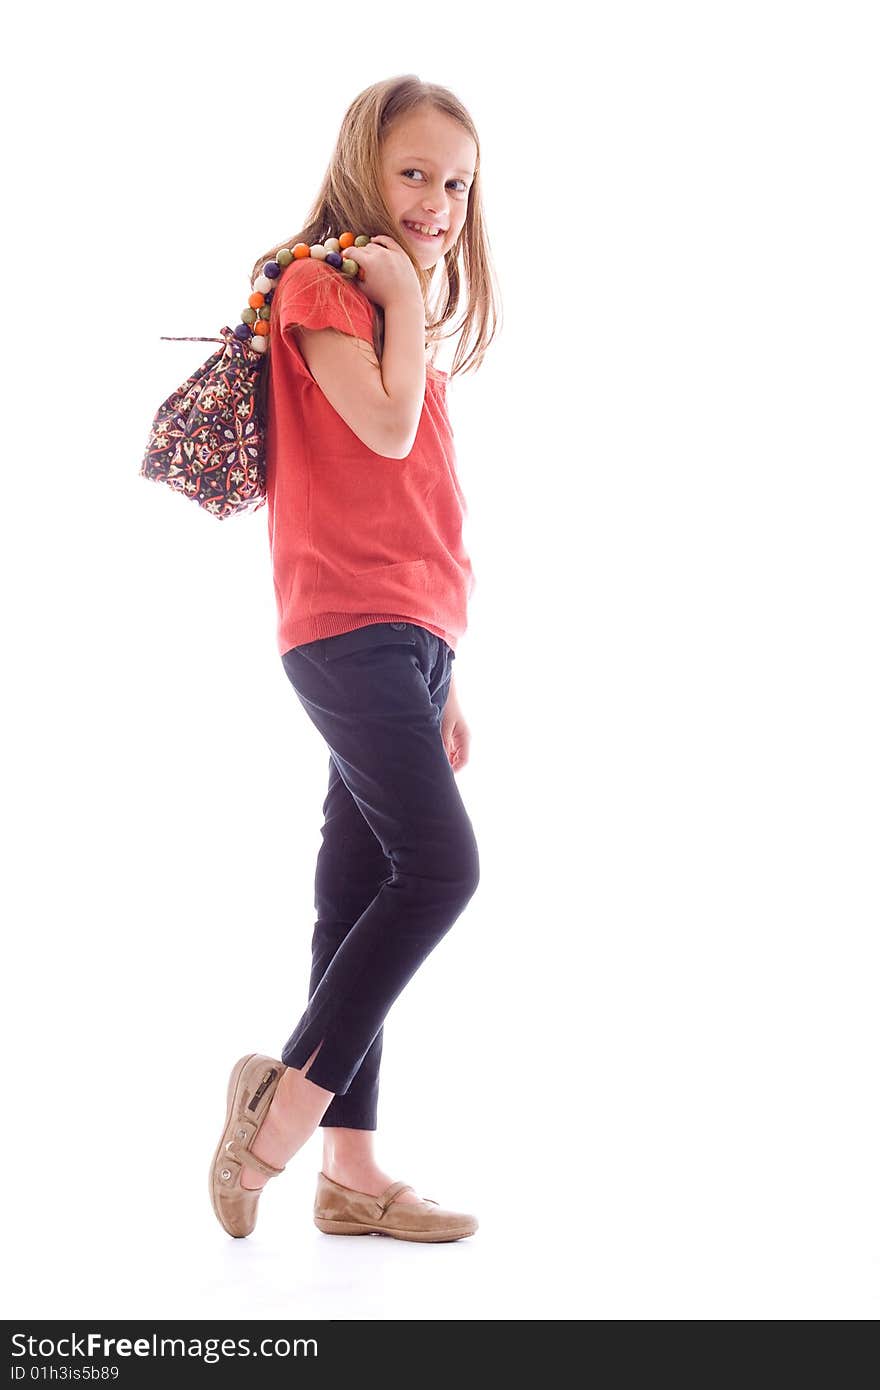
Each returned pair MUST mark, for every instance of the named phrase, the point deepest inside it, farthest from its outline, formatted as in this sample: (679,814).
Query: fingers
(354,252)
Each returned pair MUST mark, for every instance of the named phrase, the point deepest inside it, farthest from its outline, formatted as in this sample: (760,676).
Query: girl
(371,583)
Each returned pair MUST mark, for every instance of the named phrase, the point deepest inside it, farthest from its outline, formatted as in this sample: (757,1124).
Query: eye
(464,186)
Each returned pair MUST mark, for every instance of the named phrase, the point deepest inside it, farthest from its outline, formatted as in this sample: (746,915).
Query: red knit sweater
(355,537)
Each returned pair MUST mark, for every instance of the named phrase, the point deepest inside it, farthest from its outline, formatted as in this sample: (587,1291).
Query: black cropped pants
(399,860)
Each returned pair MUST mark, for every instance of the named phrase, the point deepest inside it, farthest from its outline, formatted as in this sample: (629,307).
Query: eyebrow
(468,173)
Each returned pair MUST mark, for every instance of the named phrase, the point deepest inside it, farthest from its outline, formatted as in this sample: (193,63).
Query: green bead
(362,241)
(284,256)
(248,315)
(349,267)
(264,311)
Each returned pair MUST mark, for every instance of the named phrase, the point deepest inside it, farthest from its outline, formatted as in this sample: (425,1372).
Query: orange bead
(346,240)
(301,250)
(257,300)
(261,328)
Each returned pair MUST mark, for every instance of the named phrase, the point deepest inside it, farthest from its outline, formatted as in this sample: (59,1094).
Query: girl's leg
(349,1158)
(295,1113)
(377,698)
(291,1119)
(351,869)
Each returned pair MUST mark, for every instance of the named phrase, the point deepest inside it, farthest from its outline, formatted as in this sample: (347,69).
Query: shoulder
(317,295)
(306,269)
(313,296)
(310,274)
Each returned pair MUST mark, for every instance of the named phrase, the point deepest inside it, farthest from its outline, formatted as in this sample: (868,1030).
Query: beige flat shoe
(340,1211)
(252,1085)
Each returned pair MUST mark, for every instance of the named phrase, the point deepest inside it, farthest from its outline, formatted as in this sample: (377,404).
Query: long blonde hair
(350,198)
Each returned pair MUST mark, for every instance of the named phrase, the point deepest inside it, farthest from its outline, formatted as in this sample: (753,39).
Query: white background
(646,1056)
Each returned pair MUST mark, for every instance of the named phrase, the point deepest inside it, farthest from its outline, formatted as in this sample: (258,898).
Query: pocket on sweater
(403,571)
(398,588)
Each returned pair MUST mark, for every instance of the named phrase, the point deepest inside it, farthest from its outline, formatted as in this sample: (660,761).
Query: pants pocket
(371,635)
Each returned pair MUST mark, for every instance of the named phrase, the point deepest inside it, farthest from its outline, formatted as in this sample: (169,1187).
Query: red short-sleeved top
(355,537)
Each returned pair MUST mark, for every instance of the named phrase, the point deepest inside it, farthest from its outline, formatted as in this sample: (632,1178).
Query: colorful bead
(254,326)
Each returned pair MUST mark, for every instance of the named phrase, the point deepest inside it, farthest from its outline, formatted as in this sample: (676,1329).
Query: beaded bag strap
(253,330)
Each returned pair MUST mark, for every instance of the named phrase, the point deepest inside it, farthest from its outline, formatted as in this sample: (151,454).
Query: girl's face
(428,162)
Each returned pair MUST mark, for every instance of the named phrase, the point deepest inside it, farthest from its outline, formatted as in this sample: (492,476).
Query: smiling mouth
(424,236)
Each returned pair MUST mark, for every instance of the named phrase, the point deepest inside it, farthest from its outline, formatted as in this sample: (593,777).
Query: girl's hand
(455,733)
(389,274)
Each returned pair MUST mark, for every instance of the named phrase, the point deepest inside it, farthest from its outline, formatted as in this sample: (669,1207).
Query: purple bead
(243,331)
(272,270)
(333,258)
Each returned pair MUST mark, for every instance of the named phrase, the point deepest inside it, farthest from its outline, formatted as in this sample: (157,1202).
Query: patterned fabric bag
(207,439)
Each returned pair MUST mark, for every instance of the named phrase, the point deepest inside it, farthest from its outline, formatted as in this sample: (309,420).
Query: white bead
(332,244)
(259,342)
(262,284)
(319,251)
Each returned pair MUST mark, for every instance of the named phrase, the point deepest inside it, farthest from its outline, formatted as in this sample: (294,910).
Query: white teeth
(426,231)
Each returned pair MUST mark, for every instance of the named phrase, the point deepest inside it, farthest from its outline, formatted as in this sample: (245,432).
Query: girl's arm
(403,365)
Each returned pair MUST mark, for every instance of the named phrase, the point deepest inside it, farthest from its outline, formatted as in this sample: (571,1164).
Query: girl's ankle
(360,1177)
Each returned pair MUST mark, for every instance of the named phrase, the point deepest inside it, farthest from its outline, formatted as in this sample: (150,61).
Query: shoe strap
(390,1193)
(251,1161)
